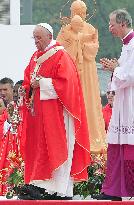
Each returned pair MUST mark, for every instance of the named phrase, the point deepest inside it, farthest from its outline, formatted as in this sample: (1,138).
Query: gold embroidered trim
(43,58)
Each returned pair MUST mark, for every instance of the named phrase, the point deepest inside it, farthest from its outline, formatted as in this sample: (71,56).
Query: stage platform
(61,202)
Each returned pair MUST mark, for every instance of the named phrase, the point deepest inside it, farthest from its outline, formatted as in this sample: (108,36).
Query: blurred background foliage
(49,11)
(35,11)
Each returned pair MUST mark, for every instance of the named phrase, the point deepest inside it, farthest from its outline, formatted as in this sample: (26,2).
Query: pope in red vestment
(46,145)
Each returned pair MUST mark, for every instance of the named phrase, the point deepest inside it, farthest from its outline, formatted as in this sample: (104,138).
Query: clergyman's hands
(109,64)
(35,84)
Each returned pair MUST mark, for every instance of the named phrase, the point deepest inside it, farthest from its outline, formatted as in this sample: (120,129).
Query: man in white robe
(119,181)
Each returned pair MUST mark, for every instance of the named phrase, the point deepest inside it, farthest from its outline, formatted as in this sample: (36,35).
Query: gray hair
(122,16)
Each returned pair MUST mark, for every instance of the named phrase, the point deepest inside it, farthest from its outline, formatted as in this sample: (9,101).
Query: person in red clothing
(107,110)
(18,101)
(9,132)
(3,117)
(57,149)
(6,94)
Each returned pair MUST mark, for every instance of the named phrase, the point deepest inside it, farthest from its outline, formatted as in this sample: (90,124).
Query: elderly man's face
(42,38)
(6,92)
(116,29)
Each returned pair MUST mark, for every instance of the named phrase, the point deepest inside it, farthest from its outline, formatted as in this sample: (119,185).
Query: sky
(17,47)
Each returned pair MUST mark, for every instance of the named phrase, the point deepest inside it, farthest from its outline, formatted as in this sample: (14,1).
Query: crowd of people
(54,120)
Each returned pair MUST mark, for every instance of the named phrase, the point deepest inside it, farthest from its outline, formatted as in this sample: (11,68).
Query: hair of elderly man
(7,81)
(122,16)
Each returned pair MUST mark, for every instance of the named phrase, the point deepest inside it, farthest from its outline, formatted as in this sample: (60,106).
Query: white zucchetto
(47,26)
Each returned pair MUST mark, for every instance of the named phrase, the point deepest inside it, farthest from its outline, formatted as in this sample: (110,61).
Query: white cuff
(7,126)
(47,91)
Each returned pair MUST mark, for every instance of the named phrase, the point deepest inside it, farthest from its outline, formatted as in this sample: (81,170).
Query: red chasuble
(46,145)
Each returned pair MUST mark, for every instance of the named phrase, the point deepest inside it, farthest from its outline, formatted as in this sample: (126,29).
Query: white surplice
(121,127)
